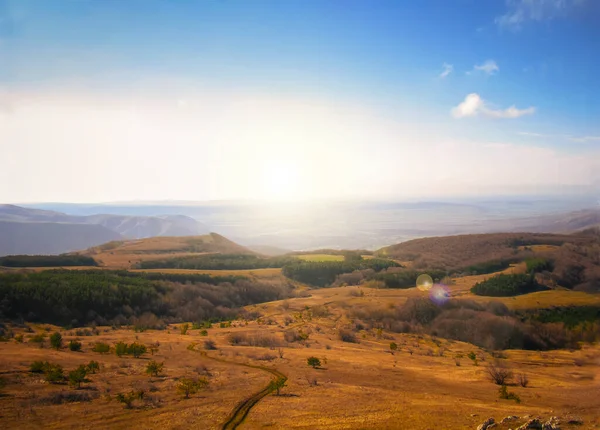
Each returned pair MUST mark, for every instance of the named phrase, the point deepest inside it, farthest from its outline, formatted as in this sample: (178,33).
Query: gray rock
(531,424)
(486,424)
(509,419)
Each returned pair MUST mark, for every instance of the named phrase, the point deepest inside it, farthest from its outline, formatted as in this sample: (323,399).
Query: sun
(281,181)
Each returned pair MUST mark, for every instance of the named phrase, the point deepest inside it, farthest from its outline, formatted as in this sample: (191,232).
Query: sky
(108,100)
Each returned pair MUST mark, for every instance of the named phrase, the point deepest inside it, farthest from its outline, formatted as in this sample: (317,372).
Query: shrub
(38,338)
(101,347)
(153,368)
(499,373)
(136,349)
(210,345)
(77,376)
(262,340)
(128,398)
(39,366)
(393,346)
(93,366)
(75,345)
(120,348)
(19,338)
(187,386)
(314,362)
(203,332)
(54,374)
(184,328)
(508,395)
(56,340)
(523,380)
(347,336)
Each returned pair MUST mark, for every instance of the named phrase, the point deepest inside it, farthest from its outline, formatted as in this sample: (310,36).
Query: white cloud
(521,11)
(474,105)
(489,67)
(448,68)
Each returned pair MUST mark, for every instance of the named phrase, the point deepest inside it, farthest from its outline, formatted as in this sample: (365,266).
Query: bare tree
(499,373)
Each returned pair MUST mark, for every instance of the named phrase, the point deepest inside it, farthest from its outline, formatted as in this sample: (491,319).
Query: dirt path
(241,411)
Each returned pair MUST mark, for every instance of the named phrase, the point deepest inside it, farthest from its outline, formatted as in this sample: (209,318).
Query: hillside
(50,238)
(126,253)
(455,252)
(113,226)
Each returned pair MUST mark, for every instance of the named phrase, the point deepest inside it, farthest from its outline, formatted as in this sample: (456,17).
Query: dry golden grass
(125,254)
(359,385)
(259,273)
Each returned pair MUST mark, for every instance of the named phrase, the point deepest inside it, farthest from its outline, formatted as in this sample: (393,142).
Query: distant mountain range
(35,231)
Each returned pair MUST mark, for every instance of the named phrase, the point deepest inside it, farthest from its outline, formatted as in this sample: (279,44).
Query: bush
(347,336)
(19,338)
(77,376)
(499,373)
(203,332)
(38,338)
(153,368)
(508,395)
(187,386)
(54,374)
(523,380)
(39,366)
(120,348)
(101,347)
(314,362)
(56,340)
(93,366)
(276,385)
(261,340)
(210,345)
(128,398)
(184,328)
(393,346)
(136,349)
(75,345)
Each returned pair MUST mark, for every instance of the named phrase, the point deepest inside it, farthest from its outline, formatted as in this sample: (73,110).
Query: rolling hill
(126,253)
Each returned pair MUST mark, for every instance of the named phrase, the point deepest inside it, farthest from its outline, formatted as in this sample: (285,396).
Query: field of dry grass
(126,254)
(422,385)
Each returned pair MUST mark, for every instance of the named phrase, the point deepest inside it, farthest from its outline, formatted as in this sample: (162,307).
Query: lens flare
(439,294)
(424,282)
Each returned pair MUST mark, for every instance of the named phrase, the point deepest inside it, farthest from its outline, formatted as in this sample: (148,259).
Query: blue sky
(382,60)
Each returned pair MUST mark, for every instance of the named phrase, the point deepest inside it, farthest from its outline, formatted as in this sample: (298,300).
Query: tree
(75,345)
(56,340)
(393,346)
(189,386)
(314,362)
(277,384)
(93,366)
(154,368)
(77,376)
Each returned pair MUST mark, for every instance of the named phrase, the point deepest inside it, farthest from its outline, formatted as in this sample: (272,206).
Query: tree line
(218,262)
(47,260)
(68,297)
